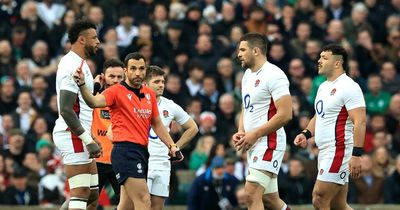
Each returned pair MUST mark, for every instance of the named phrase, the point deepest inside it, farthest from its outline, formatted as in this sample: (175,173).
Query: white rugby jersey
(333,126)
(169,111)
(64,81)
(259,91)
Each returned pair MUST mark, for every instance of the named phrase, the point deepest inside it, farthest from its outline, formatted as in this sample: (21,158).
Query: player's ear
(255,50)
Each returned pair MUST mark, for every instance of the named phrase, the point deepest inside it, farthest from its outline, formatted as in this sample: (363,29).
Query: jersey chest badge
(333,91)
(165,113)
(257,83)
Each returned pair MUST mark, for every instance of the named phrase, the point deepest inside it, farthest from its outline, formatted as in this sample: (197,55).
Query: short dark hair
(154,71)
(135,56)
(77,28)
(337,49)
(113,62)
(255,40)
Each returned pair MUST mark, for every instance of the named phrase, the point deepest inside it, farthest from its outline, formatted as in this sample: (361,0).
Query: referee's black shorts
(129,160)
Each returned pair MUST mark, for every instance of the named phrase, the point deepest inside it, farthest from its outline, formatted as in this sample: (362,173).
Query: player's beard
(90,51)
(248,64)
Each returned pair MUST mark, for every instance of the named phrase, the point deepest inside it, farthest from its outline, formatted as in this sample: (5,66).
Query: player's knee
(145,198)
(268,201)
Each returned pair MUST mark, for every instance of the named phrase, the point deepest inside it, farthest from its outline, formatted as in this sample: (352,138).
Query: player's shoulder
(273,70)
(348,82)
(168,103)
(69,62)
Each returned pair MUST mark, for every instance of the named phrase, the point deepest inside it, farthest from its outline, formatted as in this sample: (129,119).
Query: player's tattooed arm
(67,101)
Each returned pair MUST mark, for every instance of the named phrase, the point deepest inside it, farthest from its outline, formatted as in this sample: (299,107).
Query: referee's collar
(129,87)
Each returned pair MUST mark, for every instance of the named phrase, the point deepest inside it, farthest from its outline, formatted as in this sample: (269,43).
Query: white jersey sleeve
(279,85)
(353,98)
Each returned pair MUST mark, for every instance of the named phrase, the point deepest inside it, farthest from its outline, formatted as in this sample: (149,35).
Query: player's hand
(355,167)
(94,149)
(236,137)
(175,154)
(99,79)
(79,76)
(246,141)
(300,141)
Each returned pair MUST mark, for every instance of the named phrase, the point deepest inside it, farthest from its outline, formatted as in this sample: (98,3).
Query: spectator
(126,31)
(200,154)
(159,17)
(241,198)
(39,93)
(23,75)
(34,170)
(336,10)
(41,62)
(34,26)
(256,22)
(377,101)
(390,78)
(354,73)
(214,189)
(7,124)
(356,22)
(227,21)
(368,189)
(96,15)
(52,113)
(24,113)
(7,61)
(38,128)
(383,163)
(19,193)
(7,95)
(392,185)
(226,117)
(303,34)
(296,188)
(319,23)
(311,56)
(17,149)
(59,32)
(226,77)
(50,12)
(209,94)
(193,82)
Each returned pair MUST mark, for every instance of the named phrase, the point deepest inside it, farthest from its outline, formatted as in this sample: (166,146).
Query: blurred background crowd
(195,43)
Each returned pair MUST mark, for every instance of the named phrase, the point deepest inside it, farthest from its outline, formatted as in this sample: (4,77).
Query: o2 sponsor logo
(319,108)
(246,101)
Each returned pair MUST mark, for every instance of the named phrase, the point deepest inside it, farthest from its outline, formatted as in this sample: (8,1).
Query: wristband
(357,151)
(86,138)
(172,145)
(82,84)
(306,133)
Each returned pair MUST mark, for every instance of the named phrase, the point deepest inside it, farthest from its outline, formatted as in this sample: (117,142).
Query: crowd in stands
(195,43)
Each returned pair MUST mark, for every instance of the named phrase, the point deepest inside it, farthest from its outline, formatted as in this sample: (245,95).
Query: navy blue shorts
(129,160)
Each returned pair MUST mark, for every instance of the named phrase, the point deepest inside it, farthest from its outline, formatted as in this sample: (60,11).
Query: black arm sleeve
(67,101)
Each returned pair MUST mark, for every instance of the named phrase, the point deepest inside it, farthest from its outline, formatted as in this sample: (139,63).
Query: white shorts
(266,160)
(333,164)
(71,147)
(158,182)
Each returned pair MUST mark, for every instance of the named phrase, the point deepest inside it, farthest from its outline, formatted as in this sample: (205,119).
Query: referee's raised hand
(79,76)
